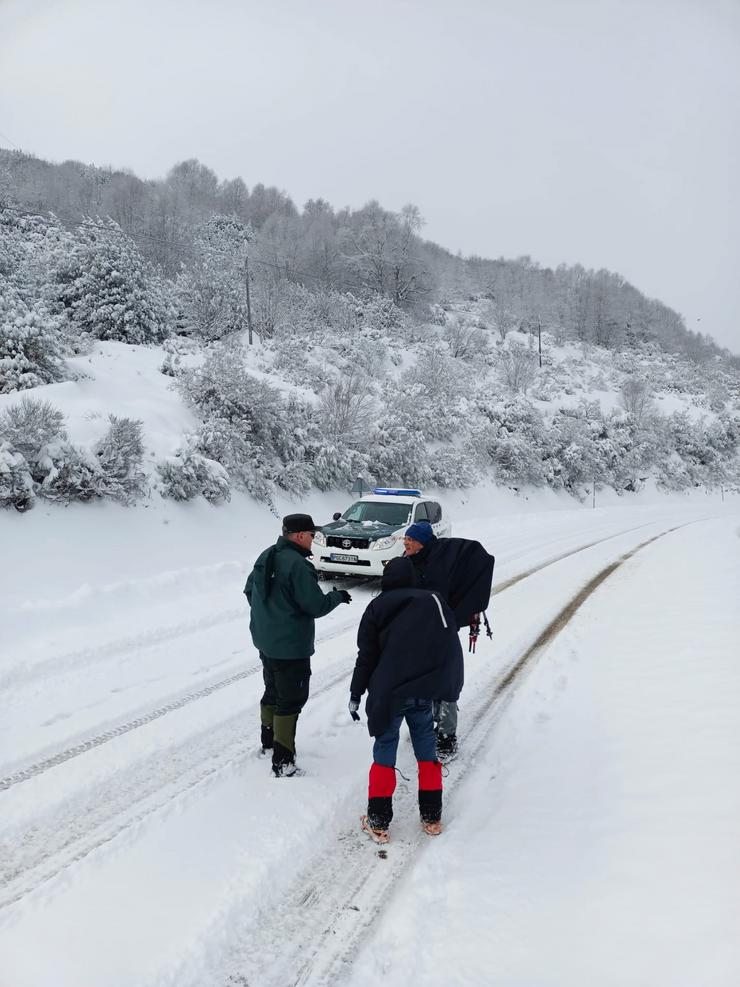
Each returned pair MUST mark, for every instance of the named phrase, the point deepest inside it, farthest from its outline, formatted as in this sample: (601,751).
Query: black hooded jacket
(460,570)
(408,648)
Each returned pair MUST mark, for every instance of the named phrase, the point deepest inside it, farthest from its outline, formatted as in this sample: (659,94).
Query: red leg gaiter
(430,776)
(430,790)
(382,783)
(380,795)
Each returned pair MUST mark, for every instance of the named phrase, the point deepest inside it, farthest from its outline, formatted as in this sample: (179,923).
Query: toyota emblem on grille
(346,543)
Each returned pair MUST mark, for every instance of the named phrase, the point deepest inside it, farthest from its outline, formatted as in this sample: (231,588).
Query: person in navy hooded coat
(409,655)
(460,571)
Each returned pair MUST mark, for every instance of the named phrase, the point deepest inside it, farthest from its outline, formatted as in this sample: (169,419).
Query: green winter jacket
(283,592)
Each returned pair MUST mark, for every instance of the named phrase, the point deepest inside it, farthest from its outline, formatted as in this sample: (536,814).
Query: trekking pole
(489,632)
(474,632)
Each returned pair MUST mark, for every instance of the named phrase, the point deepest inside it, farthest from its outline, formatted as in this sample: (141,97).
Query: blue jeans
(418,715)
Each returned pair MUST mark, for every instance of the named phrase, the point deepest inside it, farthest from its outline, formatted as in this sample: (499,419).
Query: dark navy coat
(460,570)
(407,648)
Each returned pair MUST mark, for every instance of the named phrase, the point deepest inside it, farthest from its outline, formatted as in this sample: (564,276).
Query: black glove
(346,598)
(354,705)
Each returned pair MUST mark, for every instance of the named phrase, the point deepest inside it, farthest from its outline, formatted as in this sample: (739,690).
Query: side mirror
(336,516)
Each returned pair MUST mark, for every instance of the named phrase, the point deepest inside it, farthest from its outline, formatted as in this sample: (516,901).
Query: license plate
(344,558)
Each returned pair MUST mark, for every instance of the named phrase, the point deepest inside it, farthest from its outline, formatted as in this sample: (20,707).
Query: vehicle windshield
(380,513)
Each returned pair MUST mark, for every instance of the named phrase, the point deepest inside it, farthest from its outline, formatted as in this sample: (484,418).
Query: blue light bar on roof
(396,492)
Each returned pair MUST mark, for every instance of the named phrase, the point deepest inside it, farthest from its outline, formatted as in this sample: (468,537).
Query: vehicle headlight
(320,538)
(383,543)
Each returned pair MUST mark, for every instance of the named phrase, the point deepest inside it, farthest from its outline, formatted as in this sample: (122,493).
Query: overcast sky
(604,132)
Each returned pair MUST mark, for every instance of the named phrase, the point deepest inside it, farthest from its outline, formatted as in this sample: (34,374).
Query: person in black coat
(408,656)
(460,570)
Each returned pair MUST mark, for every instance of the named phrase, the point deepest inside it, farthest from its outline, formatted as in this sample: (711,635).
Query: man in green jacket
(283,592)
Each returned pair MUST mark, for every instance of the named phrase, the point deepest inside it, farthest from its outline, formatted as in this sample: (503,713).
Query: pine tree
(30,343)
(210,293)
(120,453)
(106,288)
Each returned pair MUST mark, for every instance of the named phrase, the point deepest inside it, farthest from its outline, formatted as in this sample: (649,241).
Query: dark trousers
(286,692)
(286,684)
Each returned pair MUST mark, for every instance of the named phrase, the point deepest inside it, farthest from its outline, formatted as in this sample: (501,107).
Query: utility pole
(593,505)
(539,338)
(249,304)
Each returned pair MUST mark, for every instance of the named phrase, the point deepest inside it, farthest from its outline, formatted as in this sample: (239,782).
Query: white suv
(370,533)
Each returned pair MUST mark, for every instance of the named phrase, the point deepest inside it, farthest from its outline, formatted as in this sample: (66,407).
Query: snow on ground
(158,850)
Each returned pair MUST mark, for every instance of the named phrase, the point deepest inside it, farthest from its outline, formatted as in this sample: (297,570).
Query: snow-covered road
(144,842)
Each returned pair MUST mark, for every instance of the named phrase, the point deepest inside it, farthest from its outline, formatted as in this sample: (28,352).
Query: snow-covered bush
(65,472)
(58,470)
(466,341)
(398,453)
(16,484)
(509,437)
(263,440)
(518,366)
(348,409)
(430,394)
(30,343)
(105,288)
(29,425)
(451,466)
(188,474)
(120,454)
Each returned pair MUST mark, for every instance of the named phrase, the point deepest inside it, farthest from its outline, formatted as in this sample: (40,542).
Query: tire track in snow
(73,660)
(96,740)
(32,855)
(347,889)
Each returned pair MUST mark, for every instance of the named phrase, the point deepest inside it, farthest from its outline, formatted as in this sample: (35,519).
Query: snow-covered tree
(119,454)
(211,290)
(106,289)
(509,438)
(30,343)
(636,398)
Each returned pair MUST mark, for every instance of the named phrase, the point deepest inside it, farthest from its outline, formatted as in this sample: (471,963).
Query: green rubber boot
(283,751)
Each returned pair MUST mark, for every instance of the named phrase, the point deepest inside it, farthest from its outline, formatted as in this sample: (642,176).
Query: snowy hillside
(447,405)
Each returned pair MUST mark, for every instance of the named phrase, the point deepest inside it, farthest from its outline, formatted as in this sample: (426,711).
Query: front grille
(328,558)
(334,541)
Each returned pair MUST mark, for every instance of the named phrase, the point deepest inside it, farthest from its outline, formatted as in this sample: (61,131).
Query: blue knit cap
(420,531)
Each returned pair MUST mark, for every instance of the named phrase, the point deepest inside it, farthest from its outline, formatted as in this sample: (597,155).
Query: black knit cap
(293,523)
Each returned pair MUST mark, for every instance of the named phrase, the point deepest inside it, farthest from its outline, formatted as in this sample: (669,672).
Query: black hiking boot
(446,746)
(283,761)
